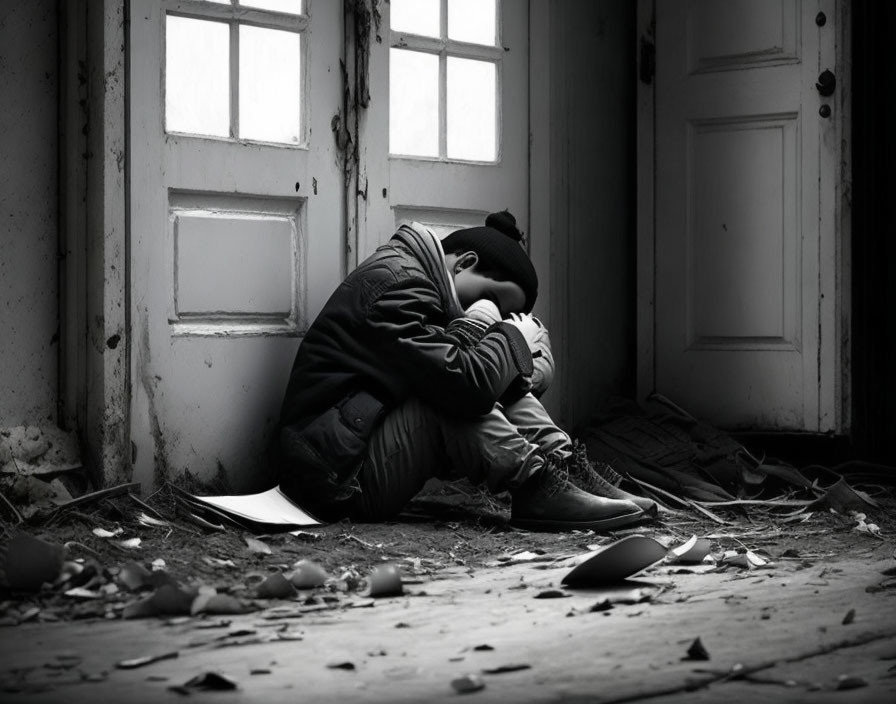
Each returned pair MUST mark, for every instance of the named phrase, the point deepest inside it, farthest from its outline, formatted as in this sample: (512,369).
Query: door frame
(94,382)
(834,264)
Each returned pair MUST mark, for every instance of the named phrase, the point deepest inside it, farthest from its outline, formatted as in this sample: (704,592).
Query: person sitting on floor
(394,384)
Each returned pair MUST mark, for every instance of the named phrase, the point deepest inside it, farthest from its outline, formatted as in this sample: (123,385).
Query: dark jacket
(379,339)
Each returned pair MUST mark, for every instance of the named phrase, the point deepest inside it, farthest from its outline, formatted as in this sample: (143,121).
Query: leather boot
(588,476)
(547,501)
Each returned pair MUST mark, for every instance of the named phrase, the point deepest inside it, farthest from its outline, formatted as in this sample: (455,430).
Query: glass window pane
(472,21)
(472,103)
(293,7)
(270,85)
(413,103)
(415,16)
(197,76)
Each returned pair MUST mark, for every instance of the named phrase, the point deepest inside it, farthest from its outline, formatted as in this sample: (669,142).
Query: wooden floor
(774,634)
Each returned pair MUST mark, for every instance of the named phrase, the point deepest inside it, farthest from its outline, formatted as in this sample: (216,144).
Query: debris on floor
(679,460)
(231,581)
(205,681)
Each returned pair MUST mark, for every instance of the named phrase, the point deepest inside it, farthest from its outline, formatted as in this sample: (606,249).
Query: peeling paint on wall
(148,382)
(361,18)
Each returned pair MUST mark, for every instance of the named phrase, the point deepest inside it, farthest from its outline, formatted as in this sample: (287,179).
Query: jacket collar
(427,248)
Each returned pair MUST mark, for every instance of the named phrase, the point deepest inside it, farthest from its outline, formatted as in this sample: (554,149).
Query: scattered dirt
(454,527)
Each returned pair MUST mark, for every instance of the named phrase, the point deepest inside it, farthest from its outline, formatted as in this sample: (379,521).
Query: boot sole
(542,524)
(649,512)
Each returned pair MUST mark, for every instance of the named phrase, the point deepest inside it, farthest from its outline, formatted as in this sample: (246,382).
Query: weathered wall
(28,212)
(593,200)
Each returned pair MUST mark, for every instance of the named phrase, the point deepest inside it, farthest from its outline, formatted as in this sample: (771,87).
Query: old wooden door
(445,136)
(236,222)
(747,158)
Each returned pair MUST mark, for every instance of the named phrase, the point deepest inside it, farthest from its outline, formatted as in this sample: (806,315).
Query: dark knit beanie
(499,249)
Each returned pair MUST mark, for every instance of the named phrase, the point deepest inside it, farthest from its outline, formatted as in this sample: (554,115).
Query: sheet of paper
(271,506)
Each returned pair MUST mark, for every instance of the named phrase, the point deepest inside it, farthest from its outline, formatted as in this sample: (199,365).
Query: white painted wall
(28,212)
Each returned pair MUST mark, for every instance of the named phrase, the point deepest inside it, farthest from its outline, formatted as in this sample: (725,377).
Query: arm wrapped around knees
(479,319)
(464,378)
(483,314)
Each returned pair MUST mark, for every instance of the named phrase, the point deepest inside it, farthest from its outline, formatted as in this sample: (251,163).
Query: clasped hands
(535,334)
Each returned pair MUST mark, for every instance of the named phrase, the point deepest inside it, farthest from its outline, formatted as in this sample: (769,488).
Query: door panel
(235,242)
(741,332)
(237,264)
(739,33)
(741,291)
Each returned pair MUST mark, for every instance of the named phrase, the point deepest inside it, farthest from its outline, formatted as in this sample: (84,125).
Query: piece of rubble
(842,498)
(746,558)
(27,562)
(103,533)
(167,600)
(863,527)
(850,682)
(276,586)
(697,651)
(150,522)
(35,450)
(207,681)
(384,580)
(602,605)
(307,574)
(33,495)
(133,663)
(517,558)
(691,552)
(467,684)
(501,669)
(217,604)
(552,594)
(341,665)
(257,546)
(134,576)
(82,593)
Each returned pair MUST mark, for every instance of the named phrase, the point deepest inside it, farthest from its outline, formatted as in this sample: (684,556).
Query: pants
(415,442)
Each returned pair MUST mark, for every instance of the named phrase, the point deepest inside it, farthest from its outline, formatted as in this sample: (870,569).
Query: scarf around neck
(427,248)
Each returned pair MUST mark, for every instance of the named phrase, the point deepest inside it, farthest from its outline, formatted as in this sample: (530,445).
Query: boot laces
(554,475)
(607,472)
(590,476)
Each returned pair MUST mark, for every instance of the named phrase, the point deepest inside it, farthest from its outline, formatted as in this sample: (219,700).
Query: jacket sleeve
(469,332)
(463,379)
